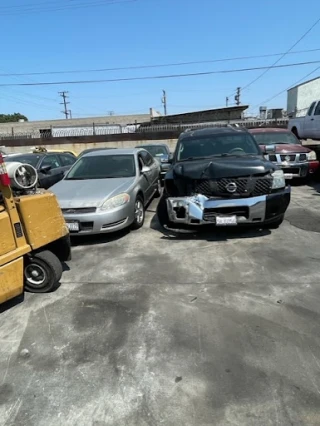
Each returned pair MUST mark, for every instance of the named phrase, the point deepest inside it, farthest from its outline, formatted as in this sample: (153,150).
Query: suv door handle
(312,119)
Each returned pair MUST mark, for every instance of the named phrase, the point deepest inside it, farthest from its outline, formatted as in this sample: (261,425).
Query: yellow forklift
(34,238)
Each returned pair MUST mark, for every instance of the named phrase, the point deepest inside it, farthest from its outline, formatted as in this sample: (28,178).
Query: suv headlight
(278,179)
(311,155)
(114,202)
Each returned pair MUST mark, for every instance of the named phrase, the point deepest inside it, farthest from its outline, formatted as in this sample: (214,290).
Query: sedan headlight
(278,179)
(114,202)
(311,156)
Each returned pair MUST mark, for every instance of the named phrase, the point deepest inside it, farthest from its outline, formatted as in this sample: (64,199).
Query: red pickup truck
(296,160)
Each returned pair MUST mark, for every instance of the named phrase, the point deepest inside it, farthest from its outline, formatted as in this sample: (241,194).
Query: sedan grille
(80,210)
(243,187)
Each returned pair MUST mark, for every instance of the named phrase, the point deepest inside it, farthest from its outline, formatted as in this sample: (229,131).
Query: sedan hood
(289,148)
(223,167)
(89,193)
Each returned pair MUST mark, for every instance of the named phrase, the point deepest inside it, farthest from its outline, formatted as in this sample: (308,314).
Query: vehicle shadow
(11,303)
(207,233)
(316,186)
(90,240)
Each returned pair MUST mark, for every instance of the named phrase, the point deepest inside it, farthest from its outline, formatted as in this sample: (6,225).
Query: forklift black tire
(42,272)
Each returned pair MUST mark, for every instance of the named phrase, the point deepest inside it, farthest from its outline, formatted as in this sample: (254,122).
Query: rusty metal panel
(42,219)
(11,280)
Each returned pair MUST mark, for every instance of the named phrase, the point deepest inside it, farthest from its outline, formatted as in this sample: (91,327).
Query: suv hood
(223,167)
(289,148)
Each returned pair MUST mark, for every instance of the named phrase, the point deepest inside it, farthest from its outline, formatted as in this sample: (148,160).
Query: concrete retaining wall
(77,147)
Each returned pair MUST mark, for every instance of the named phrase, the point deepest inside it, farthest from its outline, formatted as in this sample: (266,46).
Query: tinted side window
(311,108)
(52,161)
(141,162)
(67,159)
(147,158)
(317,110)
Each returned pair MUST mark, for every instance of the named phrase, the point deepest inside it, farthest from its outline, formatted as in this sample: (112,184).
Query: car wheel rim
(139,212)
(35,274)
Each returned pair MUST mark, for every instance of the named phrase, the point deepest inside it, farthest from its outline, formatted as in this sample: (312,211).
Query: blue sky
(149,32)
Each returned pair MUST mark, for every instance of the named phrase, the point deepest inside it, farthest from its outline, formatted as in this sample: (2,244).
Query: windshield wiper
(75,178)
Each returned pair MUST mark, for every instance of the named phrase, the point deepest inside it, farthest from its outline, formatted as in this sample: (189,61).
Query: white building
(301,96)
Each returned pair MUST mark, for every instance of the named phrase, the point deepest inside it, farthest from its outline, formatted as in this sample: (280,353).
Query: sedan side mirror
(270,149)
(145,169)
(45,169)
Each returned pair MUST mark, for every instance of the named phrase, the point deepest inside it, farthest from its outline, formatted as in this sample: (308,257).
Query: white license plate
(73,226)
(288,175)
(226,220)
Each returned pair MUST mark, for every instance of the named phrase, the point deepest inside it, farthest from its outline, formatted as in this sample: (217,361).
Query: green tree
(12,118)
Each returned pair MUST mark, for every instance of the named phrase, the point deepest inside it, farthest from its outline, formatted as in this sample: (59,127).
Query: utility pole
(70,113)
(64,103)
(164,101)
(227,101)
(237,96)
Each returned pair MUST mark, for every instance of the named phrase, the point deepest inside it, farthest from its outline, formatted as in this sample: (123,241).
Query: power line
(62,7)
(288,88)
(157,77)
(282,56)
(177,64)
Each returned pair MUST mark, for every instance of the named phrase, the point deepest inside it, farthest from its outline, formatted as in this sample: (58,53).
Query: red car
(296,160)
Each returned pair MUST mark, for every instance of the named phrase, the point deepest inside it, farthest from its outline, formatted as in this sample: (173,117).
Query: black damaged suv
(219,176)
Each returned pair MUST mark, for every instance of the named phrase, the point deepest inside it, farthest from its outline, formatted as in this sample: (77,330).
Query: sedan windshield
(271,138)
(155,150)
(102,167)
(33,160)
(217,145)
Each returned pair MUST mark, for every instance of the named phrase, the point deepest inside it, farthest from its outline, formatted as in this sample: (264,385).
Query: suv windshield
(276,138)
(33,160)
(155,150)
(217,145)
(102,167)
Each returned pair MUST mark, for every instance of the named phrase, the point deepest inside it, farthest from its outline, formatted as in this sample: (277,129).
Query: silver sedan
(108,190)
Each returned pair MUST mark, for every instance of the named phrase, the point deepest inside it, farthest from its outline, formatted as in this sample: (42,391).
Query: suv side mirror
(45,169)
(145,169)
(270,149)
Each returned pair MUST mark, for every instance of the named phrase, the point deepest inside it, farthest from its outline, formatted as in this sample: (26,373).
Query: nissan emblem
(231,187)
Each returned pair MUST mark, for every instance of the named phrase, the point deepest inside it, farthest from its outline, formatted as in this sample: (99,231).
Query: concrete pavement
(150,328)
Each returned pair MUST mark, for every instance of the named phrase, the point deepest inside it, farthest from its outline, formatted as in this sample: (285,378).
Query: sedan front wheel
(139,213)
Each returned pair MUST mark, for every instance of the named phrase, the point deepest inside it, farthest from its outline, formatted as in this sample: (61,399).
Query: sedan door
(154,173)
(145,178)
(50,171)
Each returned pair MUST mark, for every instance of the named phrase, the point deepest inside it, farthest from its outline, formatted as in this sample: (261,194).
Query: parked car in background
(86,151)
(108,190)
(296,160)
(219,177)
(41,149)
(51,167)
(161,153)
(307,127)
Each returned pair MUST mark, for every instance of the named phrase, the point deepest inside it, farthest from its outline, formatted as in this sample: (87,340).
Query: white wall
(307,94)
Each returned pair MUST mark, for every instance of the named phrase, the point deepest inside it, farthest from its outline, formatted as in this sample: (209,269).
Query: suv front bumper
(200,210)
